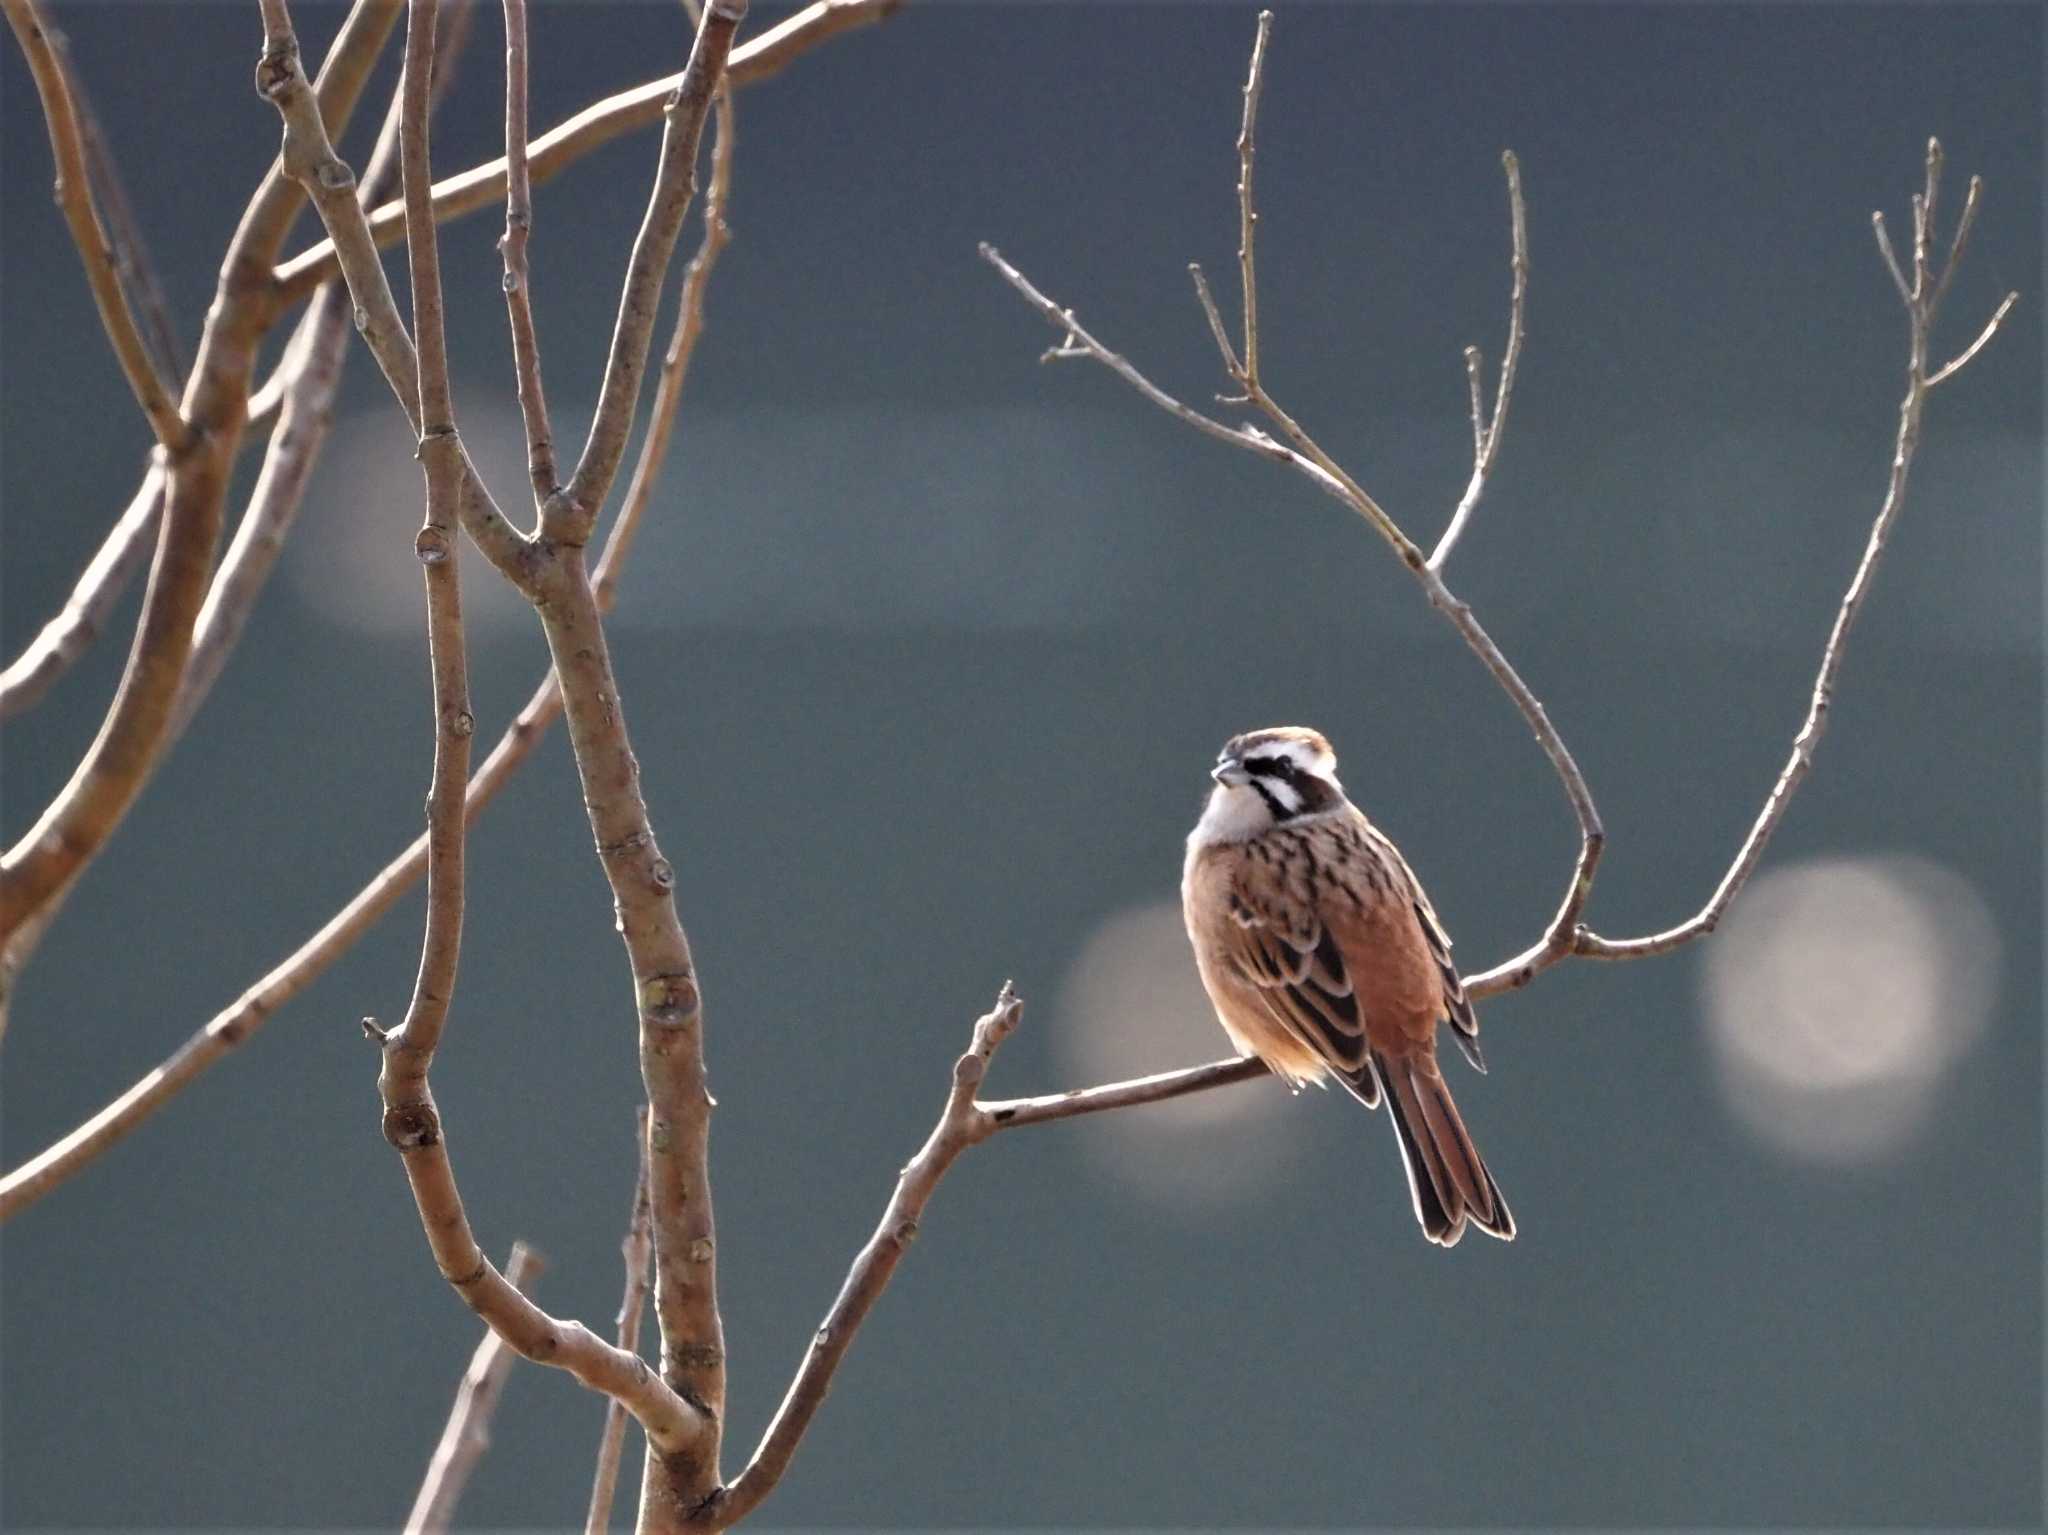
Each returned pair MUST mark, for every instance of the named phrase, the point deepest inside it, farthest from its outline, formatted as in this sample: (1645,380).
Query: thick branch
(467,1434)
(962,1123)
(597,125)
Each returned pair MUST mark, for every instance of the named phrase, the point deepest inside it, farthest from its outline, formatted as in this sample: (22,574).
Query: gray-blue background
(925,651)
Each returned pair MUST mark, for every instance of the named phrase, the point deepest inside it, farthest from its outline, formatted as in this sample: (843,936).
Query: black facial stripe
(1273,767)
(1280,812)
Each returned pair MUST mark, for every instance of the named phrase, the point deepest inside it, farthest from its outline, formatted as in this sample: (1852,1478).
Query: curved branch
(65,638)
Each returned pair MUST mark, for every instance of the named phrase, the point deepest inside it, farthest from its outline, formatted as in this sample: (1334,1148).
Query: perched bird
(1323,957)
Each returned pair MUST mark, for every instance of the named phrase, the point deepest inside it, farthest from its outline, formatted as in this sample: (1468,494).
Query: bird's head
(1265,777)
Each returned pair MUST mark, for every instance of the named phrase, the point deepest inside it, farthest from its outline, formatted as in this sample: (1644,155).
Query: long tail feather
(1447,1177)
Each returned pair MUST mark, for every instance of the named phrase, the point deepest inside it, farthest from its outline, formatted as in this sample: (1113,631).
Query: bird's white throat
(1233,814)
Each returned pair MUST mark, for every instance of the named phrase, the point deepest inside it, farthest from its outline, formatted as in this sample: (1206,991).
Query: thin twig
(682,346)
(130,250)
(962,1123)
(598,124)
(1248,218)
(570,517)
(533,404)
(467,1434)
(637,1249)
(139,365)
(1081,344)
(67,636)
(1919,301)
(1486,431)
(1961,360)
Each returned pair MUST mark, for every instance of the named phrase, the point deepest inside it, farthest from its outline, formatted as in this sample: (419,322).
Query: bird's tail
(1446,1175)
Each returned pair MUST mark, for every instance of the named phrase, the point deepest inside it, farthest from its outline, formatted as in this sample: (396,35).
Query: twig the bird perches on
(467,1433)
(637,1249)
(1565,936)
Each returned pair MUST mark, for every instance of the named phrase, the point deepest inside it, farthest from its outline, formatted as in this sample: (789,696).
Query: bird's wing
(1456,1005)
(1280,946)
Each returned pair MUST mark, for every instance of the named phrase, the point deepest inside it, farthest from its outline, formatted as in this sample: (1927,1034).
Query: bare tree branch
(1014,1113)
(132,264)
(146,378)
(962,1123)
(637,1249)
(412,1122)
(1311,463)
(1248,218)
(308,378)
(309,158)
(77,823)
(467,1433)
(533,404)
(67,636)
(1486,430)
(1921,298)
(570,517)
(483,186)
(299,969)
(1565,936)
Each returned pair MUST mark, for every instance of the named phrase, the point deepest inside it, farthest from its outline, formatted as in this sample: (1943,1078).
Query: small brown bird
(1323,957)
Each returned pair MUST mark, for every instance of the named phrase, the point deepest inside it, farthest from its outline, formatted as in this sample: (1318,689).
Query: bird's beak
(1230,773)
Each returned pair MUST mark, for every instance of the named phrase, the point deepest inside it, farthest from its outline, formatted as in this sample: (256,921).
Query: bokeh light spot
(1133,1005)
(1840,993)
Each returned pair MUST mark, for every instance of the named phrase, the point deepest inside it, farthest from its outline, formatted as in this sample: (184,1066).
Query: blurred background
(927,649)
